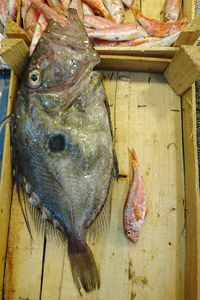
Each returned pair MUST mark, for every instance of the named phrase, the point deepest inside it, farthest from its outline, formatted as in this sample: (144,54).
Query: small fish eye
(128,232)
(34,79)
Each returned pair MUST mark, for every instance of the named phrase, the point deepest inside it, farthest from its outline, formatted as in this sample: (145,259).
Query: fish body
(156,28)
(163,42)
(39,29)
(172,10)
(87,10)
(97,22)
(98,7)
(3,11)
(12,9)
(62,141)
(116,9)
(127,3)
(135,205)
(119,32)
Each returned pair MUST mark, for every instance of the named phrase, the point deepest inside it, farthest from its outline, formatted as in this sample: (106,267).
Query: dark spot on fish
(113,254)
(133,295)
(158,215)
(56,143)
(169,243)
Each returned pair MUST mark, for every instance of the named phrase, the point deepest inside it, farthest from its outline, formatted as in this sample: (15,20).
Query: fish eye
(56,143)
(34,79)
(128,232)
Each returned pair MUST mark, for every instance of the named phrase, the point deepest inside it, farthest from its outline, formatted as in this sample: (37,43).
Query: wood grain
(184,69)
(192,200)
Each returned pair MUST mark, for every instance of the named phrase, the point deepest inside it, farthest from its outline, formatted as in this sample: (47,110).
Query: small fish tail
(83,266)
(132,156)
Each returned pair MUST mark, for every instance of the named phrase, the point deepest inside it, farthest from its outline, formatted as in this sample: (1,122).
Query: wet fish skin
(63,133)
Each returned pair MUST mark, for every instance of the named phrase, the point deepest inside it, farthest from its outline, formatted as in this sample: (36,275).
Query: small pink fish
(12,9)
(3,11)
(119,32)
(156,28)
(87,10)
(127,3)
(135,205)
(97,22)
(49,13)
(39,29)
(116,10)
(172,10)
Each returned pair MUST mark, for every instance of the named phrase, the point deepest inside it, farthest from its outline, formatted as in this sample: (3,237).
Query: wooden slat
(132,63)
(24,258)
(14,52)
(139,51)
(192,200)
(13,30)
(190,33)
(127,267)
(6,183)
(184,69)
(153,9)
(189,9)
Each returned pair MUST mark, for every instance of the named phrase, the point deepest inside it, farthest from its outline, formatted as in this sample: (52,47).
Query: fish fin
(102,220)
(45,227)
(116,166)
(83,265)
(133,157)
(22,202)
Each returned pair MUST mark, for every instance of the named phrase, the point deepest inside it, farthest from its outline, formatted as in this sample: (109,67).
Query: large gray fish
(62,140)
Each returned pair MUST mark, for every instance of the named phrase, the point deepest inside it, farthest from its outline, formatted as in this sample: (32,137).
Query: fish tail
(132,155)
(83,266)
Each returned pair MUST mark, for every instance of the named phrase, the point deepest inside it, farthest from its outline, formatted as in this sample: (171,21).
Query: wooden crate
(148,115)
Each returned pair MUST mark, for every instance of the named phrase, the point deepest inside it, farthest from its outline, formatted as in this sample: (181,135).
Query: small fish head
(132,235)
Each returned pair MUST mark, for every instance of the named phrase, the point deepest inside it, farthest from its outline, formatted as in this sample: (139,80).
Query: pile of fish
(103,21)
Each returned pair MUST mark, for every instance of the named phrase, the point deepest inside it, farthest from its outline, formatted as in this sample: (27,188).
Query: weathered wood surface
(192,202)
(184,69)
(146,115)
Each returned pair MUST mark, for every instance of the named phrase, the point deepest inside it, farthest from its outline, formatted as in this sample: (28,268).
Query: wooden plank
(189,9)
(161,246)
(139,51)
(6,183)
(13,30)
(24,257)
(190,33)
(192,200)
(184,69)
(14,52)
(132,63)
(153,9)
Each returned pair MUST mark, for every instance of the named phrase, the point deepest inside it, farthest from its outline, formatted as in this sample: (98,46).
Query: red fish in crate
(135,207)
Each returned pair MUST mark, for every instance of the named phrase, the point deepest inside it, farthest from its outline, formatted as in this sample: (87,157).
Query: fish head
(61,61)
(132,235)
